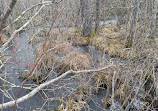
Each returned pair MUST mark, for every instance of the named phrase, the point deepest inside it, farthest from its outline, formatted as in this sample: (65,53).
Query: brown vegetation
(71,105)
(81,41)
(3,39)
(104,79)
(75,61)
(2,58)
(49,58)
(109,40)
(130,41)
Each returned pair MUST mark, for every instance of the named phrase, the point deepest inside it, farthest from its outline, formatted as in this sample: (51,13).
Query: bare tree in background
(86,17)
(0,14)
(133,22)
(97,15)
(6,15)
(122,12)
(40,50)
(153,16)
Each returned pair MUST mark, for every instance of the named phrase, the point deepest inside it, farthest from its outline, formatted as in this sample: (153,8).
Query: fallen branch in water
(41,86)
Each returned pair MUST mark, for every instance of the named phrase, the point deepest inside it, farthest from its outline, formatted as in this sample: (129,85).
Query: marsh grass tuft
(75,61)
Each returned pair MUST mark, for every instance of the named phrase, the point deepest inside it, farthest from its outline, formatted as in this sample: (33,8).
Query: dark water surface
(25,54)
(40,101)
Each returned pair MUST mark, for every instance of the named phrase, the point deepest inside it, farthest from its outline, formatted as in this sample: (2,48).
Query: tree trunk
(86,17)
(97,15)
(153,16)
(133,22)
(121,13)
(0,13)
(6,15)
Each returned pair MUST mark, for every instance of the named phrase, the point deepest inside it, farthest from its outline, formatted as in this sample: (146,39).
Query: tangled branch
(37,89)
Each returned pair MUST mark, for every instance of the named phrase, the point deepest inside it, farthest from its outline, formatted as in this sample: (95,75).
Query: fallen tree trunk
(37,89)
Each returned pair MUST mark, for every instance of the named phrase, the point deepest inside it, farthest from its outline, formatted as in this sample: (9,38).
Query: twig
(18,30)
(42,3)
(113,90)
(38,88)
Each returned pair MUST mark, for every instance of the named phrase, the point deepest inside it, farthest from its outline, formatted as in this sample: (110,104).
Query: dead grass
(56,42)
(2,57)
(109,39)
(45,65)
(37,21)
(61,47)
(49,60)
(75,61)
(110,31)
(99,43)
(4,39)
(72,105)
(66,48)
(112,47)
(104,78)
(73,33)
(81,41)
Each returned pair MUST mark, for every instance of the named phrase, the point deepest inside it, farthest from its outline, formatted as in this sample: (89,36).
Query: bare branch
(37,89)
(42,3)
(18,30)
(3,21)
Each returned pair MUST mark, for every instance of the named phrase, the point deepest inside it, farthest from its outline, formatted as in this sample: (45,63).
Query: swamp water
(25,55)
(40,101)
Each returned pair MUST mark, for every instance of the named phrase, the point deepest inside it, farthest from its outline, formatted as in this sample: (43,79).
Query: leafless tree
(86,17)
(97,15)
(42,54)
(133,22)
(6,15)
(153,16)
